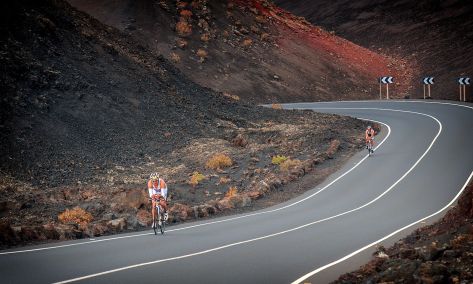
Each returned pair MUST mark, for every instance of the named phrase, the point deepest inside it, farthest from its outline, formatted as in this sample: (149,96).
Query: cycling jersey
(369,133)
(157,187)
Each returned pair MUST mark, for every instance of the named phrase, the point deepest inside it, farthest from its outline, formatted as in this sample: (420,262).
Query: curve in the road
(319,269)
(219,221)
(292,204)
(322,244)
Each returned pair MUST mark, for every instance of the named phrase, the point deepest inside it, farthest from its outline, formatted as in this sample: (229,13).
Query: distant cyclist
(369,137)
(158,192)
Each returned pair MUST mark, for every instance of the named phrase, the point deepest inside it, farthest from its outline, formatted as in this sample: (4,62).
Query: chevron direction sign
(464,81)
(428,80)
(386,80)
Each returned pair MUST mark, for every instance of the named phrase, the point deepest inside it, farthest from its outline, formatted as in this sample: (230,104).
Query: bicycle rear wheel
(162,227)
(155,227)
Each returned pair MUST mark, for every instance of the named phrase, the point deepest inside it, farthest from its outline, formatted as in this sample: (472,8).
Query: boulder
(117,224)
(180,212)
(144,218)
(135,198)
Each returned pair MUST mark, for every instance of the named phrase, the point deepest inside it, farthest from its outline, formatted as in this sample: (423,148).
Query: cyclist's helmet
(154,176)
(369,126)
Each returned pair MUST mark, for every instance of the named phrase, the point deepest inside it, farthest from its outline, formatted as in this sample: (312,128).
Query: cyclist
(369,137)
(158,191)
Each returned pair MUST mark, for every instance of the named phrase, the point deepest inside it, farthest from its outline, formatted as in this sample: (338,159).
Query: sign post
(428,81)
(463,81)
(385,80)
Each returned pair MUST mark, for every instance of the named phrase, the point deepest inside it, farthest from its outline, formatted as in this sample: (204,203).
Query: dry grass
(260,19)
(224,180)
(230,96)
(232,191)
(219,161)
(76,215)
(202,54)
(196,178)
(175,57)
(277,160)
(276,106)
(247,42)
(265,36)
(289,165)
(183,28)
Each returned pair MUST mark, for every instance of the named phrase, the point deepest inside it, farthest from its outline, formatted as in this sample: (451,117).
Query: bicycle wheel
(155,227)
(156,221)
(162,227)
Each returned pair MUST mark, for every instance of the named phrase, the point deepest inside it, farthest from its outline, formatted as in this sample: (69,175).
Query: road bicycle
(369,146)
(159,223)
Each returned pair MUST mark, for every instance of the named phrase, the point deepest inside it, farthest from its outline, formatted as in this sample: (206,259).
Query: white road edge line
(299,280)
(279,233)
(394,101)
(214,222)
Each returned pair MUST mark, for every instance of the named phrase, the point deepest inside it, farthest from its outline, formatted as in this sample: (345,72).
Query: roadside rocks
(118,225)
(439,253)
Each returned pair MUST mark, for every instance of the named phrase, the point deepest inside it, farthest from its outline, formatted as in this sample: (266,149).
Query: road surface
(423,161)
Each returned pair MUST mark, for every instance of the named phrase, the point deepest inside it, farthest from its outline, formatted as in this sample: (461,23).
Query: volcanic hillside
(87,112)
(435,36)
(251,49)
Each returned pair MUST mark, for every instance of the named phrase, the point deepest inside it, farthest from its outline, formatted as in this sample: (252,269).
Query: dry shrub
(247,42)
(289,165)
(224,180)
(183,28)
(186,14)
(230,96)
(196,178)
(226,34)
(181,5)
(277,160)
(260,19)
(181,43)
(219,161)
(175,57)
(232,191)
(205,37)
(75,215)
(276,106)
(264,36)
(202,54)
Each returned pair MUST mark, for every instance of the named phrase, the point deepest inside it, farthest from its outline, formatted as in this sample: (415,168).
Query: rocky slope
(440,253)
(434,36)
(252,49)
(87,112)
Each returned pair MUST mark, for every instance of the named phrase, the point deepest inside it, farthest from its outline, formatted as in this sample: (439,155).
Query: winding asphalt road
(423,161)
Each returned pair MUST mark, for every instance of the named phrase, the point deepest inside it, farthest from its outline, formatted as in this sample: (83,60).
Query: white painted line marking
(214,222)
(299,280)
(282,232)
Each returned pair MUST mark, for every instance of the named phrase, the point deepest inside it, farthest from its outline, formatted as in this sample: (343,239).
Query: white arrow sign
(386,80)
(464,81)
(428,80)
